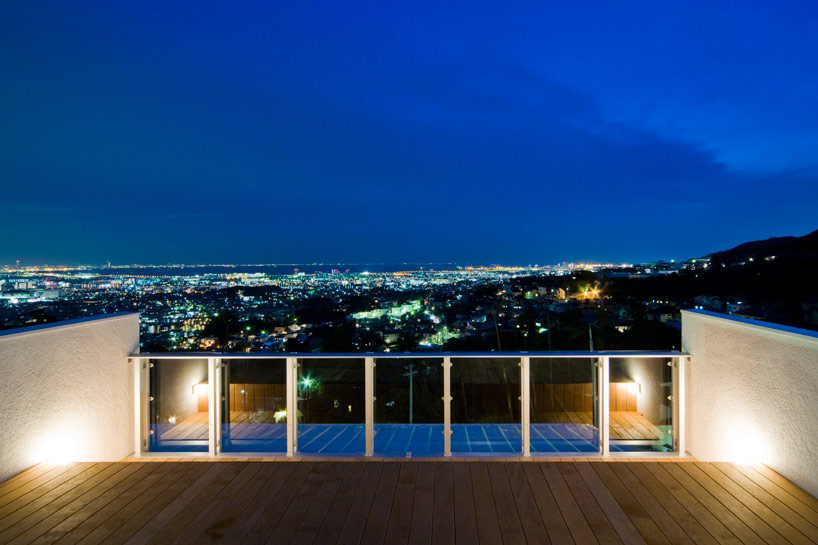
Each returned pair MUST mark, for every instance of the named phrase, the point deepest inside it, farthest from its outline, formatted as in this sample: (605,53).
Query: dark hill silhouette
(789,248)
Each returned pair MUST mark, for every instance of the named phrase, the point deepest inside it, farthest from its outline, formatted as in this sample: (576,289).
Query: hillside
(805,247)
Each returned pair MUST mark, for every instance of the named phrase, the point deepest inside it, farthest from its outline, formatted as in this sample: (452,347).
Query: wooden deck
(469,502)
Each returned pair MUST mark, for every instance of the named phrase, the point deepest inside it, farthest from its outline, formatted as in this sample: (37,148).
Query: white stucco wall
(752,393)
(67,392)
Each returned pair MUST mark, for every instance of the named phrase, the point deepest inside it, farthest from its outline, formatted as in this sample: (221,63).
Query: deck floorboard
(403,501)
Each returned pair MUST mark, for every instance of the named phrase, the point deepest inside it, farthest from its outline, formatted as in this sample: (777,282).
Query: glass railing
(486,406)
(641,406)
(179,405)
(411,405)
(253,414)
(564,405)
(331,412)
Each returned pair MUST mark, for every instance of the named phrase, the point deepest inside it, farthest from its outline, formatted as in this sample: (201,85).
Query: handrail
(414,355)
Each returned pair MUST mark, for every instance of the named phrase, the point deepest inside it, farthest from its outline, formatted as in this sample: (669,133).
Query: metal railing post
(604,409)
(447,406)
(219,404)
(679,404)
(525,403)
(212,397)
(369,392)
(140,406)
(292,406)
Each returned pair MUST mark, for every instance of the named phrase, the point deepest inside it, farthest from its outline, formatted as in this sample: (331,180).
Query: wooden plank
(669,503)
(572,514)
(358,510)
(559,397)
(701,511)
(220,502)
(766,529)
(443,515)
(27,476)
(662,520)
(114,506)
(548,398)
(270,397)
(140,472)
(288,524)
(277,507)
(533,528)
(787,486)
(35,488)
(66,486)
(568,397)
(314,516)
(763,512)
(488,525)
(132,517)
(621,396)
(157,518)
(379,511)
(712,504)
(400,518)
(64,507)
(420,527)
(623,525)
(336,514)
(465,520)
(807,526)
(630,403)
(579,397)
(177,517)
(236,521)
(550,515)
(782,495)
(599,523)
(511,528)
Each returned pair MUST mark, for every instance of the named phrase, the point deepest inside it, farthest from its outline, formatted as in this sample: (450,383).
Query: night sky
(516,133)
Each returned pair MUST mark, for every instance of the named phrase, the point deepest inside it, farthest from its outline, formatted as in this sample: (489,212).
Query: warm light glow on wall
(746,445)
(200,389)
(58,447)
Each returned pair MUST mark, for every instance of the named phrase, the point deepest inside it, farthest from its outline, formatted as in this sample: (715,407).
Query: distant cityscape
(397,307)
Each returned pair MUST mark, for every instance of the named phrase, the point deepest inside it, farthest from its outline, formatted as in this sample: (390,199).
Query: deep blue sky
(520,133)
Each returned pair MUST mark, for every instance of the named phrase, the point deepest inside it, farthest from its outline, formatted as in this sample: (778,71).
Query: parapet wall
(752,394)
(66,392)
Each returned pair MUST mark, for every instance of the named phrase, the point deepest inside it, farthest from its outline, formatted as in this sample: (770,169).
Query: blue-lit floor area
(411,439)
(564,438)
(401,439)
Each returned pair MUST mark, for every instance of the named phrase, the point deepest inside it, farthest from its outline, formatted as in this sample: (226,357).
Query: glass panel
(254,405)
(486,405)
(331,412)
(179,405)
(640,411)
(409,407)
(563,402)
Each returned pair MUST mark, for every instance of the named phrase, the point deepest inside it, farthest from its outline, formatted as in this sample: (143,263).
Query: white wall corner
(68,392)
(752,394)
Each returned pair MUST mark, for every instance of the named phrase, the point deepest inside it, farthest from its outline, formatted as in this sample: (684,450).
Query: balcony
(103,444)
(410,405)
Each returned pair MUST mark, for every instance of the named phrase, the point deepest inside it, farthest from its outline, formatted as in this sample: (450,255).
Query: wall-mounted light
(634,388)
(200,389)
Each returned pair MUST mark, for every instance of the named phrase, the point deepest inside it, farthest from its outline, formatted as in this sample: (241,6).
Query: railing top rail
(413,355)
